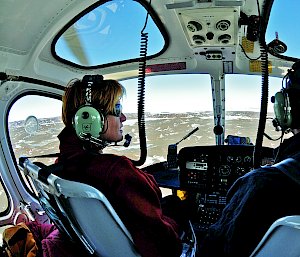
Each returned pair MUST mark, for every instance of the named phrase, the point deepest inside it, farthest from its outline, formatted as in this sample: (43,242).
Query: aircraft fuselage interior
(199,78)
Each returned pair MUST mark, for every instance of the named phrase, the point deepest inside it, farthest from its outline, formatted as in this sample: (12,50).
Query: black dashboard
(206,173)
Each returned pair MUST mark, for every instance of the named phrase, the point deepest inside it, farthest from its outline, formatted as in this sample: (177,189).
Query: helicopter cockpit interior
(199,77)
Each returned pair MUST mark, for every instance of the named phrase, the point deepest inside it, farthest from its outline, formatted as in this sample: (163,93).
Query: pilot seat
(69,203)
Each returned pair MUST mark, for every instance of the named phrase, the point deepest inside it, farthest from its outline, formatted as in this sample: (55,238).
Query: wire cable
(141,95)
(264,95)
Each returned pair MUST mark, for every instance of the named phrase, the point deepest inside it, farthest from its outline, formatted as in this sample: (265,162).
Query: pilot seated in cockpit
(265,194)
(93,118)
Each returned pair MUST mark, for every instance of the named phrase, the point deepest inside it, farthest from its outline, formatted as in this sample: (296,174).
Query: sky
(169,98)
(238,93)
(242,92)
(284,17)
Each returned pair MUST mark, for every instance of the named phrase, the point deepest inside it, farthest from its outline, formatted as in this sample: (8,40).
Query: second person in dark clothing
(263,195)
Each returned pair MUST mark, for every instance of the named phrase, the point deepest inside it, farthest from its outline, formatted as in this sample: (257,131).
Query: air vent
(224,39)
(194,26)
(198,40)
(223,25)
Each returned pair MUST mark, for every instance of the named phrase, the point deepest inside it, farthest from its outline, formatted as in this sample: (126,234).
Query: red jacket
(133,193)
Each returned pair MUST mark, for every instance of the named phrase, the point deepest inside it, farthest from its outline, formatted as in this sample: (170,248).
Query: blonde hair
(104,97)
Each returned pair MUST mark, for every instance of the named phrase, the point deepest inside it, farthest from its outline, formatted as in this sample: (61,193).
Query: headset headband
(88,81)
(97,79)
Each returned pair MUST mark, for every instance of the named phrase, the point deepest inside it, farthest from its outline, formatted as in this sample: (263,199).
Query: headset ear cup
(89,121)
(282,109)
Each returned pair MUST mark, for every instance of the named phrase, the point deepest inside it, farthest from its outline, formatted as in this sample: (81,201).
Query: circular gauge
(238,159)
(31,124)
(230,159)
(240,171)
(224,170)
(247,159)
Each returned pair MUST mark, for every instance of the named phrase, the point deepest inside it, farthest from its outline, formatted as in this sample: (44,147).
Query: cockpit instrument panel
(207,173)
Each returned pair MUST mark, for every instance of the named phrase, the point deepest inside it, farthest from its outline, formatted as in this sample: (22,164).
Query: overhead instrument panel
(212,35)
(205,28)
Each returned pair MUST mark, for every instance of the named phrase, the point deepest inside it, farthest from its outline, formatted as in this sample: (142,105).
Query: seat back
(85,215)
(81,212)
(282,239)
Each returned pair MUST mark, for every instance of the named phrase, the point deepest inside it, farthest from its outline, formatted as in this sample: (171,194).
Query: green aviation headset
(281,100)
(282,109)
(88,122)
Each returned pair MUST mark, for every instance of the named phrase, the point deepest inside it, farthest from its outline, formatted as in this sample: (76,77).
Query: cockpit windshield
(283,18)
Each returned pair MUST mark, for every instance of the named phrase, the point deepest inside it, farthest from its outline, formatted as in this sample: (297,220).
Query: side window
(3,199)
(34,123)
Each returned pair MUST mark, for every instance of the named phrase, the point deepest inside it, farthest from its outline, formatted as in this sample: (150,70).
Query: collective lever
(172,151)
